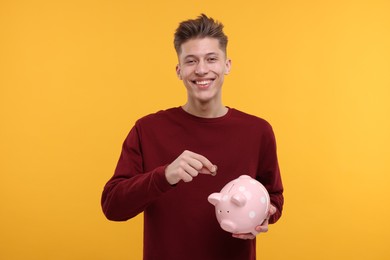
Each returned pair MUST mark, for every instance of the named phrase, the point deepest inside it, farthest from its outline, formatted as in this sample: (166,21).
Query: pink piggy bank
(241,205)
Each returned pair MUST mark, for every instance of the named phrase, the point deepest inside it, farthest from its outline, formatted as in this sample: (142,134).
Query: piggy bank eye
(219,211)
(228,211)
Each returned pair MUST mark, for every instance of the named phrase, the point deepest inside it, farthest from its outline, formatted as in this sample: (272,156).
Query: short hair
(201,27)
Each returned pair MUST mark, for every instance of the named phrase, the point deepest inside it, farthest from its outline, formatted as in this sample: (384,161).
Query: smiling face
(202,67)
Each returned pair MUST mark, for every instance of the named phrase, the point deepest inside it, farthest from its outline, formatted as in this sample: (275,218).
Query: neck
(206,110)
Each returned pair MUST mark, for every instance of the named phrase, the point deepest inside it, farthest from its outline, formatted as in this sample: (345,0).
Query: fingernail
(214,170)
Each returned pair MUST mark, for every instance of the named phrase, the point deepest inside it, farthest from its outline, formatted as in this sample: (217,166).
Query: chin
(205,99)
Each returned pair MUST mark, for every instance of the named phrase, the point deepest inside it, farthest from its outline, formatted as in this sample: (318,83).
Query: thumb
(272,210)
(209,170)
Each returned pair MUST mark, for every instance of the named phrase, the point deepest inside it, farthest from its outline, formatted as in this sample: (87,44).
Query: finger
(272,210)
(265,221)
(208,167)
(262,229)
(244,236)
(190,170)
(207,171)
(185,176)
(194,163)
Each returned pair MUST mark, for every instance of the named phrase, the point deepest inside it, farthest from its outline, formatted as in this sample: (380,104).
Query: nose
(201,68)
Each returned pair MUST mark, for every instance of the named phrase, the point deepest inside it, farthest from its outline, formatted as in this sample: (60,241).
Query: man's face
(202,67)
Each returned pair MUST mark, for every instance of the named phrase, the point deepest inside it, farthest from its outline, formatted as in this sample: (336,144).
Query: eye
(212,59)
(190,61)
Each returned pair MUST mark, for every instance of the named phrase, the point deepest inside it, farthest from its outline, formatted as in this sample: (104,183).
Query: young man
(172,160)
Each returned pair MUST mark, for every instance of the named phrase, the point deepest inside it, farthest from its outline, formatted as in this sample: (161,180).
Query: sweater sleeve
(131,189)
(269,174)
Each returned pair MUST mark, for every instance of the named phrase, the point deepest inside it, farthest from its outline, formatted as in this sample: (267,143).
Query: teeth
(204,82)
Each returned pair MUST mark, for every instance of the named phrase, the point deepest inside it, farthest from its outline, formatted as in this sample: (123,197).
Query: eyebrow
(194,56)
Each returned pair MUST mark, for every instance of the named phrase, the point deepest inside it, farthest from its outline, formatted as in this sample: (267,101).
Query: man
(173,159)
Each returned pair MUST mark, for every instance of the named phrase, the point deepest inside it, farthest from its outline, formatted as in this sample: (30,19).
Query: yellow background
(75,75)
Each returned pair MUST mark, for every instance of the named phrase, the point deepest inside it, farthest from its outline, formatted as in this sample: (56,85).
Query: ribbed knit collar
(204,119)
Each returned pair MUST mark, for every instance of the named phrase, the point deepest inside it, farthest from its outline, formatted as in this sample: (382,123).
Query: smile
(202,83)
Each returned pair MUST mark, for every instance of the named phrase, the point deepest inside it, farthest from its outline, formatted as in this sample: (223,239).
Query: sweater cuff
(160,180)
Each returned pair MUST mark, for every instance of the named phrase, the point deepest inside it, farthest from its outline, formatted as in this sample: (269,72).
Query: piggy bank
(241,205)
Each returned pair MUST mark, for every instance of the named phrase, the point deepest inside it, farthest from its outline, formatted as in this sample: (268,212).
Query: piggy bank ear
(214,198)
(238,199)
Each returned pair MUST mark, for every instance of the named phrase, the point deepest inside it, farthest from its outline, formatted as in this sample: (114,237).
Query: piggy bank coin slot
(231,188)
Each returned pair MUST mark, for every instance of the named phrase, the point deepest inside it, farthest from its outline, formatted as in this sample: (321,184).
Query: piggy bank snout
(228,225)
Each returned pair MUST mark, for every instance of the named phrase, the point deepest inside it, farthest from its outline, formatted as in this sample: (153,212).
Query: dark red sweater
(179,222)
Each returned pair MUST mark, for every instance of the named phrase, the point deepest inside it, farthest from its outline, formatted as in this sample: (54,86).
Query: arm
(131,189)
(269,176)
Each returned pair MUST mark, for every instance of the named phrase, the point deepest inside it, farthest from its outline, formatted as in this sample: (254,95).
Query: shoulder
(162,114)
(249,119)
(158,117)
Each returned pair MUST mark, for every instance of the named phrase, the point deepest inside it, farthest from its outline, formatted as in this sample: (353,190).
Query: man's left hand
(261,228)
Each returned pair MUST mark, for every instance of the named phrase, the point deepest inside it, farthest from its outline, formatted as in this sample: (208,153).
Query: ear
(228,66)
(238,199)
(214,198)
(178,70)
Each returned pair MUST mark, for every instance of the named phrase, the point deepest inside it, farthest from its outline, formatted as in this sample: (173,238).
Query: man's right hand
(187,166)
